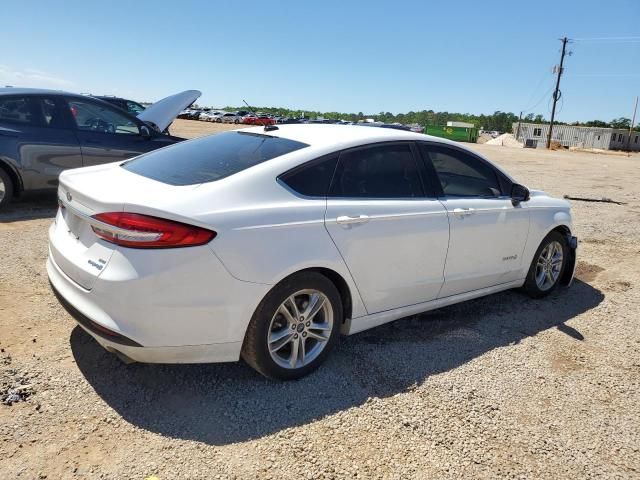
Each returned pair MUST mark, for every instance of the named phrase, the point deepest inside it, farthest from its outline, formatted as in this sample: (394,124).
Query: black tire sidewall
(530,285)
(255,350)
(8,188)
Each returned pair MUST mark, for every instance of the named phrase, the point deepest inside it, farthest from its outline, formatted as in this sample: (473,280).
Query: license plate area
(75,223)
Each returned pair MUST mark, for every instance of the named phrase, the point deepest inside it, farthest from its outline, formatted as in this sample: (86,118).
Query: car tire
(280,346)
(547,266)
(218,120)
(236,121)
(6,189)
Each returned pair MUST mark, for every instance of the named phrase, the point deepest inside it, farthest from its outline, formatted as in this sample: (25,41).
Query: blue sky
(351,56)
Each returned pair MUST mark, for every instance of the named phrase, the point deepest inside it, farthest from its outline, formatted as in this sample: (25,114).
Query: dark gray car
(43,132)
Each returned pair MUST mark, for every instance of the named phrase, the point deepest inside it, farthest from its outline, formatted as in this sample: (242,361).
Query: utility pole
(631,126)
(519,122)
(556,92)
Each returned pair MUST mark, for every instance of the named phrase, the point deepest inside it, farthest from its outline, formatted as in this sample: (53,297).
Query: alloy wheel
(300,329)
(549,265)
(3,190)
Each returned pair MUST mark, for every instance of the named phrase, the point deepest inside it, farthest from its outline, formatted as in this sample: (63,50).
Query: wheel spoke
(317,336)
(287,314)
(294,353)
(549,278)
(320,326)
(302,349)
(291,302)
(316,301)
(279,339)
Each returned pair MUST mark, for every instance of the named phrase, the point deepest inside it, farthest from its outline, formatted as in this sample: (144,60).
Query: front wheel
(547,266)
(294,328)
(6,189)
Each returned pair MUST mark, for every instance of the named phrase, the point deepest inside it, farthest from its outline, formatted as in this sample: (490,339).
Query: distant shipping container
(459,134)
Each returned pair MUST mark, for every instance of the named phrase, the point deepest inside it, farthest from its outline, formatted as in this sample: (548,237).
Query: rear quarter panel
(265,243)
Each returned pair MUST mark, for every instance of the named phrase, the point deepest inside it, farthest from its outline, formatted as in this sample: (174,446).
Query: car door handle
(349,220)
(463,212)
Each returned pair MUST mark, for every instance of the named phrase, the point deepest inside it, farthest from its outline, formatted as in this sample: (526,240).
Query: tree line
(498,120)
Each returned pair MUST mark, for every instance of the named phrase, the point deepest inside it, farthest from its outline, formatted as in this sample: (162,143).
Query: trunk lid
(164,111)
(85,192)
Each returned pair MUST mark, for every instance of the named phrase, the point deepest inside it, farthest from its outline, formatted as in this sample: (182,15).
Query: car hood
(163,112)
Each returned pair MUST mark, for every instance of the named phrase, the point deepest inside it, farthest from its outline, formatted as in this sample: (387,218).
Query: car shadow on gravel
(32,207)
(225,403)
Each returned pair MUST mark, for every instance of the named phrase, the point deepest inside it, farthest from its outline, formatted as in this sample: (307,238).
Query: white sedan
(229,118)
(268,243)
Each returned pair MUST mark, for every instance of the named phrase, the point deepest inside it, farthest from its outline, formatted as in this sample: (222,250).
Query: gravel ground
(502,386)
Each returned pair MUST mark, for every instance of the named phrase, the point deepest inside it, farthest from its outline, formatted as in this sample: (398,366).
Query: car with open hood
(44,132)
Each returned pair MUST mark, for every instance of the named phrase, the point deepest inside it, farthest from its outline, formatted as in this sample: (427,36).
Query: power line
(539,101)
(608,39)
(604,74)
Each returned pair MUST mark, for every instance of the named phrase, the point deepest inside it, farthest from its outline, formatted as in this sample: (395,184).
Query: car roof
(41,91)
(31,91)
(327,135)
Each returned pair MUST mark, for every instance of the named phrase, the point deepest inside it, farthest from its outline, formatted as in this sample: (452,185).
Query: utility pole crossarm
(556,92)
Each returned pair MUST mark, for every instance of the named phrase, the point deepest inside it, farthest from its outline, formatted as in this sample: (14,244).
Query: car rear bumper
(152,319)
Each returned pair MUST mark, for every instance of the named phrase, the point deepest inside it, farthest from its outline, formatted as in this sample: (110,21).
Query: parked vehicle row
(250,118)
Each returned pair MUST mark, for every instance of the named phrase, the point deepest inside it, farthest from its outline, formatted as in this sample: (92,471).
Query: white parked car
(204,115)
(210,116)
(229,118)
(268,243)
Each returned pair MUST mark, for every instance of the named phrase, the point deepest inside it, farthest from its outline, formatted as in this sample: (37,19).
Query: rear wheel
(6,189)
(547,266)
(294,328)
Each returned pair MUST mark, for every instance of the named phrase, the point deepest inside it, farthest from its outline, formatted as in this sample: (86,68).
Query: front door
(488,233)
(392,235)
(106,134)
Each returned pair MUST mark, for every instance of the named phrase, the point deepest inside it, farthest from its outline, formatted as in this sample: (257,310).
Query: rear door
(106,134)
(392,234)
(488,233)
(36,133)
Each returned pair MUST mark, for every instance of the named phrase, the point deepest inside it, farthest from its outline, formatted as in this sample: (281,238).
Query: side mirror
(519,193)
(145,132)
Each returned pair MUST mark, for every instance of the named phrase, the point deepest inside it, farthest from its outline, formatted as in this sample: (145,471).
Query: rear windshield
(210,158)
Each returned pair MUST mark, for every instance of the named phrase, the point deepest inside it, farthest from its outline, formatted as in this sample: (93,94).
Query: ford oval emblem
(69,197)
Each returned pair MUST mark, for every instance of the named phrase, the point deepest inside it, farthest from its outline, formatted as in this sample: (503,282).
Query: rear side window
(18,110)
(32,110)
(462,175)
(381,171)
(210,158)
(312,179)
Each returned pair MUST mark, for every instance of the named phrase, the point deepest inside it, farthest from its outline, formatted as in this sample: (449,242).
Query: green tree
(621,122)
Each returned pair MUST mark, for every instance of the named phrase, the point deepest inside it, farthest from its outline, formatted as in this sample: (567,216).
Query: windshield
(210,158)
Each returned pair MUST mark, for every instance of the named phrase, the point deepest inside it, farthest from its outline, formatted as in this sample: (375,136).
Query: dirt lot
(502,386)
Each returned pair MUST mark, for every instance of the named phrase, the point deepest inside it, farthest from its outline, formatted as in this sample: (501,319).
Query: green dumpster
(459,134)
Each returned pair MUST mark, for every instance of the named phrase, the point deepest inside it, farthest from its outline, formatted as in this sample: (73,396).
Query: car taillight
(143,231)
